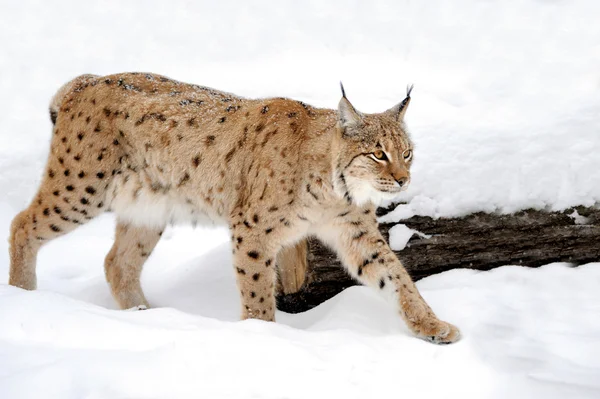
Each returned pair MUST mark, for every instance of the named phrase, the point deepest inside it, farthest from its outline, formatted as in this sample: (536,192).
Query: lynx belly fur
(156,151)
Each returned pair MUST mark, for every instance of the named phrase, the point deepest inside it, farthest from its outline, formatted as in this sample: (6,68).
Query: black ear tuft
(343,91)
(397,112)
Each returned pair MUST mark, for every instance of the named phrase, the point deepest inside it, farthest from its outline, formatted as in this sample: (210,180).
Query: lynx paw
(440,333)
(136,308)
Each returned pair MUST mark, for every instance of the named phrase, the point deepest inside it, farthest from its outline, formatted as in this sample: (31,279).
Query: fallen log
(478,241)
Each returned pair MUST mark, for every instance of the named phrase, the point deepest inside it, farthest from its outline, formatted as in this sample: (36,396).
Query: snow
(504,116)
(400,234)
(579,219)
(527,333)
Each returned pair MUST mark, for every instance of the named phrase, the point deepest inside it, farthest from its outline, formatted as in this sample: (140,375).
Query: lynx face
(375,153)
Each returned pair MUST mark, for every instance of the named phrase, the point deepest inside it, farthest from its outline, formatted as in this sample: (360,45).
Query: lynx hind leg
(56,210)
(66,199)
(24,245)
(72,192)
(123,264)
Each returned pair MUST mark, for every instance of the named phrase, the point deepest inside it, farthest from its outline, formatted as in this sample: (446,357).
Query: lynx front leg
(254,265)
(368,258)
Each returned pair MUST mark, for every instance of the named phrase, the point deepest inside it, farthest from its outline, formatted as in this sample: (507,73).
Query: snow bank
(536,336)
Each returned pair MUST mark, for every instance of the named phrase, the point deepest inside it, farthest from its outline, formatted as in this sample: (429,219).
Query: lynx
(156,151)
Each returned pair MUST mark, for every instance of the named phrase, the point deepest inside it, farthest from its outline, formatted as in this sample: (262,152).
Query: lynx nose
(402,181)
(401,176)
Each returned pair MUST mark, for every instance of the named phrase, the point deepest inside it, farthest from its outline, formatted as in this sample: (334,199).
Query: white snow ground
(505,115)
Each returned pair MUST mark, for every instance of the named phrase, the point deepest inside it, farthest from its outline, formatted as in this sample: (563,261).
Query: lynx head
(374,153)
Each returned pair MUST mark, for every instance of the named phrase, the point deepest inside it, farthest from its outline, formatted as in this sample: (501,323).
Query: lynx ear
(348,116)
(398,111)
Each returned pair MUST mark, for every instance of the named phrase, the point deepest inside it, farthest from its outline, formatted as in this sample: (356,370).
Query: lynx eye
(407,155)
(380,155)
